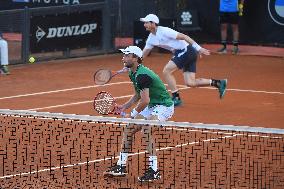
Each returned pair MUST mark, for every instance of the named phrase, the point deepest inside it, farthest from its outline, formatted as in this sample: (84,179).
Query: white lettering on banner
(84,29)
(66,2)
(60,31)
(51,32)
(76,30)
(92,27)
(71,30)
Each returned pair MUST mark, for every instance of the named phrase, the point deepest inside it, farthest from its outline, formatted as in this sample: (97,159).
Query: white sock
(153,162)
(122,158)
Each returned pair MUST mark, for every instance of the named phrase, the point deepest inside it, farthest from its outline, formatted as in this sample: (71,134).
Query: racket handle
(123,70)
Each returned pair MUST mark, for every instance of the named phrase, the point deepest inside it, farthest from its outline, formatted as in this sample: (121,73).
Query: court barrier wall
(57,32)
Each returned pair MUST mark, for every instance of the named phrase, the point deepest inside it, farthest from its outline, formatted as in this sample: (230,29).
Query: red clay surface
(255,97)
(251,50)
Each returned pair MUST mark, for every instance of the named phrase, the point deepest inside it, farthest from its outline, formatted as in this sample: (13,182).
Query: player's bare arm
(201,50)
(144,100)
(146,52)
(182,36)
(135,98)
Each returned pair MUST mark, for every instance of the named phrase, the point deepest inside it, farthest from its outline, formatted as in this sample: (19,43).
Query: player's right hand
(203,51)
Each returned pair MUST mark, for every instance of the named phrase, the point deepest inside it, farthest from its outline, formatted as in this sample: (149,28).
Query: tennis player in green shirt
(153,102)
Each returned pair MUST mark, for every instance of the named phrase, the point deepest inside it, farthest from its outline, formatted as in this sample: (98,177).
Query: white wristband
(196,46)
(133,113)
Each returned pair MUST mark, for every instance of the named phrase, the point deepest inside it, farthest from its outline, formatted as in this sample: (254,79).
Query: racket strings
(102,76)
(104,103)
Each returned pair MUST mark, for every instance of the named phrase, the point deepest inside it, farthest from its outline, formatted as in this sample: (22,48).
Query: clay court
(254,98)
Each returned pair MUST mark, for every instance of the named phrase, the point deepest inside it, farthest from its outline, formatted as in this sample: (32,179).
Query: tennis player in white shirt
(185,53)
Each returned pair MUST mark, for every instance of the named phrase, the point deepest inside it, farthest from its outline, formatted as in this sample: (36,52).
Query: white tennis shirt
(165,38)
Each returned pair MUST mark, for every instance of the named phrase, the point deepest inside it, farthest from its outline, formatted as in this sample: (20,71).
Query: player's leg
(235,27)
(189,70)
(191,81)
(221,85)
(224,28)
(178,61)
(119,169)
(4,57)
(168,71)
(149,130)
(161,113)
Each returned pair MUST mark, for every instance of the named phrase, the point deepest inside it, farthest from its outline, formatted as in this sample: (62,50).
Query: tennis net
(55,150)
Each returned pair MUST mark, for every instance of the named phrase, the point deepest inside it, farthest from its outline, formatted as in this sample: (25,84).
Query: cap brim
(124,51)
(143,20)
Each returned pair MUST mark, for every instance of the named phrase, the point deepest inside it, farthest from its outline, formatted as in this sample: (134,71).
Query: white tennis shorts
(163,112)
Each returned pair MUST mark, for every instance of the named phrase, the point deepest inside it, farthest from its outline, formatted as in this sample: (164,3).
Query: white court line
(182,87)
(74,103)
(238,90)
(81,102)
(63,90)
(126,82)
(109,158)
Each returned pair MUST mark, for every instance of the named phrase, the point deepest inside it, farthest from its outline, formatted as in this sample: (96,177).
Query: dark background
(256,26)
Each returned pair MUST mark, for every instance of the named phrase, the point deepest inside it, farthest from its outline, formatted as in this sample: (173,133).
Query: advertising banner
(66,31)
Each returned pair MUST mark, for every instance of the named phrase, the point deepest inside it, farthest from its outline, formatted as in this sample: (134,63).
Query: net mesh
(52,150)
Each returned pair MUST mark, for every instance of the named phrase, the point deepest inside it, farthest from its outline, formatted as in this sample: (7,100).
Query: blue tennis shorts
(185,59)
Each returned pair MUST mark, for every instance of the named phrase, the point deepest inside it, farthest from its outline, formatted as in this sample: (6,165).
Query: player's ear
(139,60)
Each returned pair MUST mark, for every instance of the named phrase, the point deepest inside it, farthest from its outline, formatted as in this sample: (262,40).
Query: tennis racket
(105,104)
(103,76)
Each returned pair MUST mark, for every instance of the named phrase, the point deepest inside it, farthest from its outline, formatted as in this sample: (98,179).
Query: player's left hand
(120,110)
(203,51)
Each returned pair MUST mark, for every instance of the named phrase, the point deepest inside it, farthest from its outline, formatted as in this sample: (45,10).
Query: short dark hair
(155,23)
(1,34)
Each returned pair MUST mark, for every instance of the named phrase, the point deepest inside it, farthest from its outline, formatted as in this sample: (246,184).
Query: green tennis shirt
(146,78)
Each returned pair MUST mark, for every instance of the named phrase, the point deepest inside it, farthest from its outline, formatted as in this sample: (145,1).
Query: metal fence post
(26,35)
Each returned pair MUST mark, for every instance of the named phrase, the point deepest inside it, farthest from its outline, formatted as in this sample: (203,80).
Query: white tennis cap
(132,50)
(150,18)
